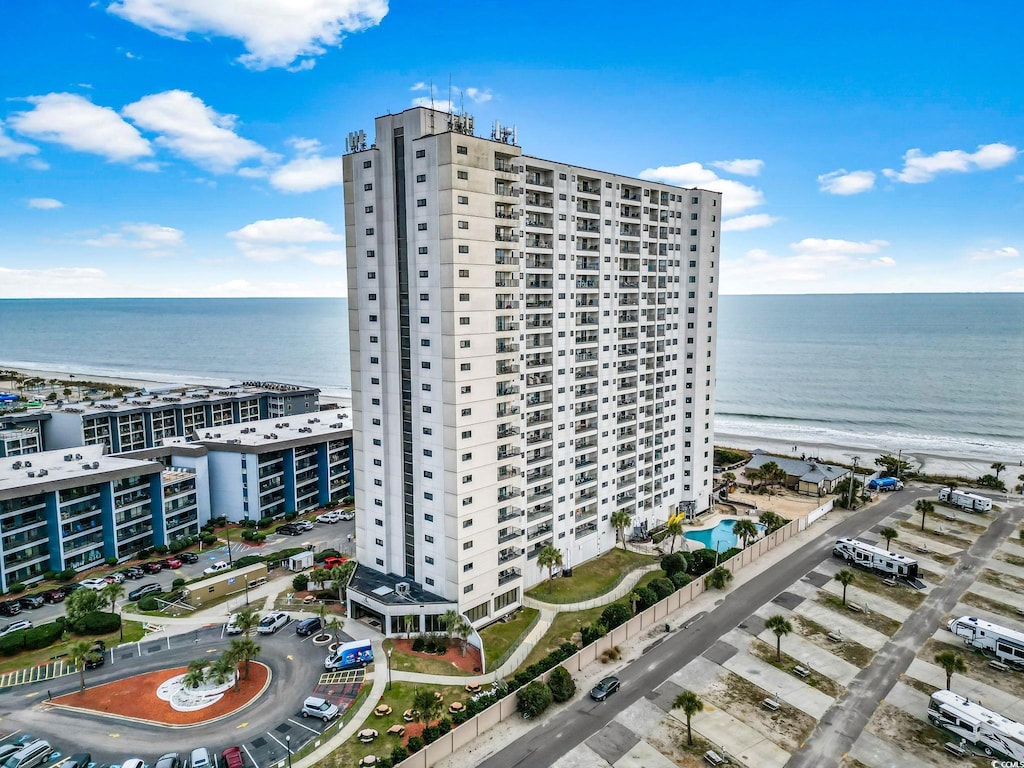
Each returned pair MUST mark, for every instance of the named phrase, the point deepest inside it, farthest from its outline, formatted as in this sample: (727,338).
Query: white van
(29,756)
(200,758)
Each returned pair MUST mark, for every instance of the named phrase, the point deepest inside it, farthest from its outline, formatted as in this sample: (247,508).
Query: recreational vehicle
(1006,644)
(989,731)
(970,502)
(875,558)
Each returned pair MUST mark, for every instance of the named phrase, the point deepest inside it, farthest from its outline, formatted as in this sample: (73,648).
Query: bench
(835,637)
(889,582)
(855,607)
(999,666)
(773,704)
(954,749)
(713,758)
(922,549)
(801,672)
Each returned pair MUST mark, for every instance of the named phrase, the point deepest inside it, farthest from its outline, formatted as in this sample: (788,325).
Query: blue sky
(192,147)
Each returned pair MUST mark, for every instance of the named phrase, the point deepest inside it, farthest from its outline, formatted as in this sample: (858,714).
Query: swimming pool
(720,537)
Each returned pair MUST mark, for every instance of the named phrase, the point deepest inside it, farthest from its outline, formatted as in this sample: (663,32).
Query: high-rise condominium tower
(533,349)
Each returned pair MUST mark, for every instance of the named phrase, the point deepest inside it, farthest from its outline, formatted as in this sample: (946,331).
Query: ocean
(930,373)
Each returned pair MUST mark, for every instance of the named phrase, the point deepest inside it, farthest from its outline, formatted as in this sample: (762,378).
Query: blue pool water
(720,537)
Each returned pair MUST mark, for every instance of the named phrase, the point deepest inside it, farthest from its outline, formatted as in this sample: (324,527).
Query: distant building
(144,419)
(21,432)
(808,477)
(73,509)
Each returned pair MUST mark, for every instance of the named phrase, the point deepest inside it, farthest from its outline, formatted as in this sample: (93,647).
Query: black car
(96,656)
(134,572)
(10,608)
(288,530)
(309,626)
(605,688)
(188,557)
(146,589)
(31,601)
(67,589)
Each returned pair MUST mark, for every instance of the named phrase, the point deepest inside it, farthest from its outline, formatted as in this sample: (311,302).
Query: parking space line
(302,725)
(250,756)
(278,741)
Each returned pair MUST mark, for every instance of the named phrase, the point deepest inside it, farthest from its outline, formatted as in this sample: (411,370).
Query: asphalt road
(261,728)
(585,718)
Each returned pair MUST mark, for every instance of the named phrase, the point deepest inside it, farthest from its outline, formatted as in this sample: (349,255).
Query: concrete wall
(642,622)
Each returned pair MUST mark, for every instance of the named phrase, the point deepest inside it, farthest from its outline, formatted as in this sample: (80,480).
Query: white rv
(1006,644)
(971,502)
(989,731)
(875,558)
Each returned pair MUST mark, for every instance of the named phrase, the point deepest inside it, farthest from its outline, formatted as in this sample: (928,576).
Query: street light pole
(853,482)
(288,746)
(247,589)
(718,546)
(389,667)
(227,535)
(899,456)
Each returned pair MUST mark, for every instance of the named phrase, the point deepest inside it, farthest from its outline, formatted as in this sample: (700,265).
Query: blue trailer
(884,484)
(358,653)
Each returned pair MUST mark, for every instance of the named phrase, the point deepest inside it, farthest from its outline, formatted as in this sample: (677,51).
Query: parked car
(220,565)
(10,608)
(152,568)
(350,515)
(199,758)
(133,762)
(303,525)
(94,584)
(146,589)
(170,562)
(54,595)
(314,706)
(271,623)
(288,530)
(96,657)
(170,760)
(232,627)
(333,561)
(67,589)
(30,755)
(114,578)
(232,757)
(309,626)
(188,557)
(328,517)
(79,760)
(16,627)
(6,750)
(134,572)
(605,688)
(32,602)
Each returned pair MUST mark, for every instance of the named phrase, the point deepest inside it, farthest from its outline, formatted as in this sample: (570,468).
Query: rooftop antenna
(431,107)
(449,93)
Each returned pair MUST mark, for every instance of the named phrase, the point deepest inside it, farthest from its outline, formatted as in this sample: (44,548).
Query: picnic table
(801,671)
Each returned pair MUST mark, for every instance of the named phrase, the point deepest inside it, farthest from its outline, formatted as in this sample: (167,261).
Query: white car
(270,623)
(232,627)
(16,626)
(347,516)
(314,706)
(94,584)
(328,517)
(217,567)
(303,525)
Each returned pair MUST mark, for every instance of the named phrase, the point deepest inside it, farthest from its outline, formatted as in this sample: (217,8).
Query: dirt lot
(766,653)
(916,737)
(848,650)
(875,620)
(977,665)
(950,537)
(788,727)
(969,598)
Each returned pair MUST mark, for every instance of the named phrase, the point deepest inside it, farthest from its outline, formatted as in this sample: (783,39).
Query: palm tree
(549,557)
(845,577)
(998,466)
(247,619)
(675,530)
(339,575)
(730,478)
(196,674)
(456,626)
(426,705)
(745,530)
(245,650)
(77,652)
(691,704)
(112,593)
(951,662)
(334,626)
(889,534)
(223,669)
(719,577)
(925,507)
(620,521)
(780,625)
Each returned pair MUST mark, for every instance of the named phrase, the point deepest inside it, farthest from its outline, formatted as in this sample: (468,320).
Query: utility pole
(853,482)
(899,456)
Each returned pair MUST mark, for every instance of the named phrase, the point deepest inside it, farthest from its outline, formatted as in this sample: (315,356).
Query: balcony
(538,283)
(505,190)
(587,495)
(506,368)
(538,261)
(588,300)
(539,178)
(509,574)
(539,493)
(538,380)
(625,449)
(586,461)
(538,399)
(507,430)
(585,443)
(538,340)
(582,409)
(510,553)
(509,513)
(537,436)
(586,425)
(538,417)
(538,220)
(505,325)
(535,301)
(538,455)
(504,389)
(587,244)
(588,264)
(585,530)
(507,534)
(538,322)
(587,282)
(505,280)
(629,230)
(505,235)
(629,248)
(535,241)
(505,301)
(539,530)
(588,206)
(584,374)
(588,356)
(585,390)
(508,472)
(504,164)
(585,477)
(538,200)
(541,510)
(508,492)
(505,211)
(505,346)
(630,193)
(589,186)
(505,257)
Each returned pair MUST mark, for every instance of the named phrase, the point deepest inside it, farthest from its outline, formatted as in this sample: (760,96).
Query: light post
(227,535)
(288,746)
(899,456)
(853,482)
(390,650)
(247,589)
(718,546)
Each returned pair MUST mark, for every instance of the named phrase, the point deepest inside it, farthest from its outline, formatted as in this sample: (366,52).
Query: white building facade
(533,348)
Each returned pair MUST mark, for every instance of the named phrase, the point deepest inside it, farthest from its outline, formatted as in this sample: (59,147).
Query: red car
(152,567)
(232,757)
(331,562)
(53,595)
(171,562)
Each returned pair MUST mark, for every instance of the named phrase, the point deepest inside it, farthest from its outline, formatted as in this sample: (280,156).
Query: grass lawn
(592,579)
(408,662)
(561,631)
(499,636)
(132,632)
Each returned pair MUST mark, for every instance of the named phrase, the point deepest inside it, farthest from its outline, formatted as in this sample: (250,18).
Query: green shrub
(176,546)
(662,588)
(591,634)
(111,561)
(299,582)
(16,587)
(51,575)
(398,754)
(99,623)
(323,554)
(208,539)
(43,636)
(160,549)
(13,643)
(148,603)
(646,597)
(418,644)
(248,523)
(533,699)
(178,583)
(415,744)
(614,615)
(701,561)
(266,522)
(562,686)
(680,580)
(247,560)
(289,516)
(674,563)
(222,520)
(68,574)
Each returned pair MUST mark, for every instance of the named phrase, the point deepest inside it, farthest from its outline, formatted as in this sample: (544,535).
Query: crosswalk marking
(343,677)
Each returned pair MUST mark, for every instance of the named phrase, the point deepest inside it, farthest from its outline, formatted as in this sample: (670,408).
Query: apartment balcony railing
(505,257)
(506,190)
(538,261)
(508,534)
(509,574)
(540,530)
(538,180)
(505,237)
(504,346)
(509,513)
(504,389)
(505,166)
(507,430)
(508,472)
(511,553)
(538,436)
(630,194)
(538,418)
(588,188)
(508,492)
(503,368)
(585,530)
(585,443)
(536,513)
(585,390)
(585,408)
(538,379)
(507,452)
(588,264)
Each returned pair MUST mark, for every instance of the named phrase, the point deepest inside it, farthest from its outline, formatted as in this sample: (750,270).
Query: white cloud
(919,168)
(441,105)
(479,95)
(11,149)
(740,167)
(55,282)
(153,238)
(275,33)
(815,265)
(45,203)
(829,247)
(77,123)
(307,174)
(736,197)
(420,86)
(452,102)
(989,254)
(843,182)
(753,221)
(241,287)
(191,129)
(281,239)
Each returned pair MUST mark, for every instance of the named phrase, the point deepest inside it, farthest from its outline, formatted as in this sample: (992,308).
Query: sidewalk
(623,588)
